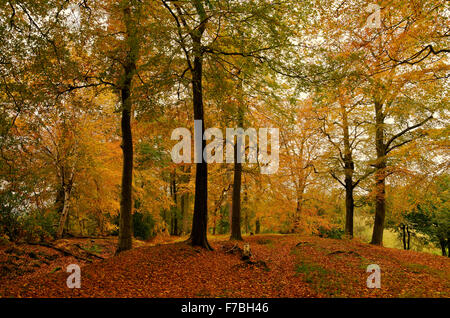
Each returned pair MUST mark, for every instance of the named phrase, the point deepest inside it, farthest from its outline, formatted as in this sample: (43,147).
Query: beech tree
(193,36)
(344,125)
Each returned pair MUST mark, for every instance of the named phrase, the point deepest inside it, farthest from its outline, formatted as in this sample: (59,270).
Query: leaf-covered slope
(296,267)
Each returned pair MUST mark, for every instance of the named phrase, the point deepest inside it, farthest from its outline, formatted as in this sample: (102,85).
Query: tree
(195,66)
(117,57)
(385,144)
(131,15)
(343,121)
(237,180)
(388,88)
(194,25)
(431,216)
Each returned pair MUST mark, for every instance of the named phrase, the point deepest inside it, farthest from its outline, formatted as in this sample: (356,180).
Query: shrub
(38,226)
(335,233)
(143,225)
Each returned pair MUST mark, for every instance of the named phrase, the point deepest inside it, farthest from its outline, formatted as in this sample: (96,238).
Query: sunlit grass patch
(308,268)
(321,279)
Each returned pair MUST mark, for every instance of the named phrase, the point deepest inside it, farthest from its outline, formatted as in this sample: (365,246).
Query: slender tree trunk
(448,247)
(298,212)
(380,207)
(184,201)
(175,226)
(200,218)
(227,213)
(184,211)
(183,214)
(443,246)
(237,179)
(64,212)
(404,236)
(174,215)
(300,190)
(257,226)
(349,169)
(409,237)
(125,223)
(126,200)
(236,203)
(247,216)
(380,177)
(349,206)
(59,202)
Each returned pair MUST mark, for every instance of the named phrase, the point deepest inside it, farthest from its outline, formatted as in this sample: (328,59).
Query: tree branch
(404,132)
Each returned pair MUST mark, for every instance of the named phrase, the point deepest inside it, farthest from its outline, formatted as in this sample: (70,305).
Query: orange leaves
(296,267)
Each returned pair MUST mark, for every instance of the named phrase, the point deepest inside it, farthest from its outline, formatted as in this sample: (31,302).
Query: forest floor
(281,266)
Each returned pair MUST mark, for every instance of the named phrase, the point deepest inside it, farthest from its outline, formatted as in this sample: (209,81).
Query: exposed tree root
(65,252)
(344,252)
(299,244)
(87,252)
(204,244)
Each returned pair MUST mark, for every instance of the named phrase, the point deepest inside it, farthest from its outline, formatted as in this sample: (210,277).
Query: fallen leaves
(316,268)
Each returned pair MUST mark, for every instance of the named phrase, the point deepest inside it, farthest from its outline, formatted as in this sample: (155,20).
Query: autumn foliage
(91,91)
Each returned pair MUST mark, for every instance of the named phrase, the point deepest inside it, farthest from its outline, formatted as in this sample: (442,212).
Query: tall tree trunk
(175,226)
(298,210)
(403,227)
(200,218)
(125,223)
(184,201)
(237,178)
(257,226)
(64,212)
(448,247)
(174,214)
(349,206)
(409,238)
(126,200)
(349,169)
(443,246)
(300,190)
(59,202)
(64,198)
(247,216)
(184,212)
(228,206)
(236,203)
(380,177)
(380,206)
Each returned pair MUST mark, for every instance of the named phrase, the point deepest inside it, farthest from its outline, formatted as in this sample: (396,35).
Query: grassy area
(363,231)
